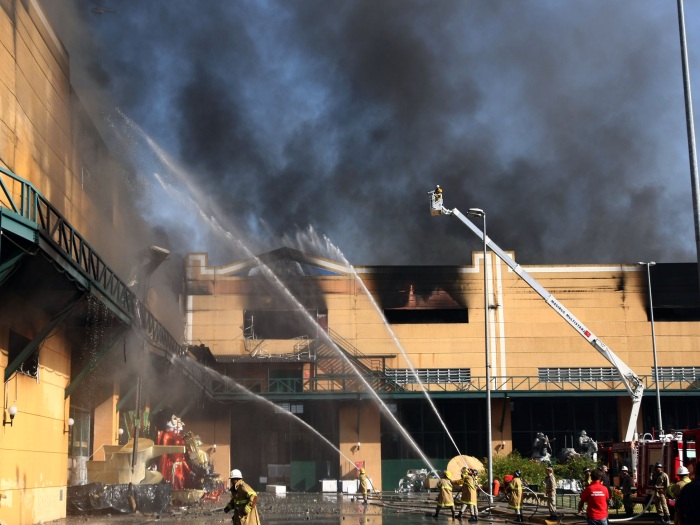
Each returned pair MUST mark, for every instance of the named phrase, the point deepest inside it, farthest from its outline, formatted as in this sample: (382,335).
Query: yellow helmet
(362,471)
(448,475)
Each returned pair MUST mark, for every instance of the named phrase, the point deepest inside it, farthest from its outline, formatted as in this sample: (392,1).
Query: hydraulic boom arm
(632,382)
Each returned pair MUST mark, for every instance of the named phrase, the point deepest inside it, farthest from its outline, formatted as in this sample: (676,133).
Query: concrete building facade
(302,329)
(73,334)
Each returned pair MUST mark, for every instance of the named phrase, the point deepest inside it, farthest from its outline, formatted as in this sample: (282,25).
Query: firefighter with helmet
(626,487)
(675,489)
(660,483)
(445,498)
(515,495)
(364,485)
(469,494)
(243,501)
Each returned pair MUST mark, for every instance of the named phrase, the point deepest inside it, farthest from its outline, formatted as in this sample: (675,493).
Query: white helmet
(682,471)
(236,474)
(624,469)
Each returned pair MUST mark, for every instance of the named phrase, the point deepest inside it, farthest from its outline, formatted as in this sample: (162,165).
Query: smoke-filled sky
(299,119)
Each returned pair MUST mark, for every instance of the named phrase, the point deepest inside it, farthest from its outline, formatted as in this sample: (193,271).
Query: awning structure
(45,261)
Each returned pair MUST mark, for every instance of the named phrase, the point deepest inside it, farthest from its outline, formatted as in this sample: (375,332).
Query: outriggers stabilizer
(632,382)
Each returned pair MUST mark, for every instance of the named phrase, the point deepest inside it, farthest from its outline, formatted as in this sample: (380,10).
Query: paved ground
(326,509)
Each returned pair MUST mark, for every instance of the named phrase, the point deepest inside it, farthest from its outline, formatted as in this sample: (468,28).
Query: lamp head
(12,411)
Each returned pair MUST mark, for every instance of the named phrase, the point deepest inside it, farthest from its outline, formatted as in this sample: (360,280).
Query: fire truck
(640,456)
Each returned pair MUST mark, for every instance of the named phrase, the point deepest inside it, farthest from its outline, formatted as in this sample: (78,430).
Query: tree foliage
(533,471)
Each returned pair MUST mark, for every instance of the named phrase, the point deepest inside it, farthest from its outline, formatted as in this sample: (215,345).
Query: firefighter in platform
(675,490)
(661,483)
(243,501)
(364,485)
(445,498)
(515,495)
(469,494)
(550,493)
(626,487)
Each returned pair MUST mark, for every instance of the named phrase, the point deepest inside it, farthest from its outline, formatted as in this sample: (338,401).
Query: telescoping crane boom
(632,382)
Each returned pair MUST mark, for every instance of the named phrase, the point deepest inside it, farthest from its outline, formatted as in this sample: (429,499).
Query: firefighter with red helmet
(243,501)
(469,494)
(515,495)
(660,483)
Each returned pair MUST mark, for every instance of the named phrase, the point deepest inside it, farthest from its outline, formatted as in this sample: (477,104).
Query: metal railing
(22,199)
(350,383)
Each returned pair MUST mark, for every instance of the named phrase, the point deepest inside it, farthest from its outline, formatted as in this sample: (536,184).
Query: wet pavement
(339,509)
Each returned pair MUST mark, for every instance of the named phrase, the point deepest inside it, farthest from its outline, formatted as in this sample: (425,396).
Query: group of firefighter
(468,494)
(596,495)
(686,508)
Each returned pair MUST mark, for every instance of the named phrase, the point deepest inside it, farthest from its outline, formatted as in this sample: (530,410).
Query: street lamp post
(154,258)
(477,212)
(653,344)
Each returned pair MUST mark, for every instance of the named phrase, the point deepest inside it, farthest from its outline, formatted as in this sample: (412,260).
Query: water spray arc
(216,226)
(220,377)
(328,340)
(398,345)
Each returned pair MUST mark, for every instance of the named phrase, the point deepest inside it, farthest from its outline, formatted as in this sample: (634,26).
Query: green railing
(350,383)
(20,199)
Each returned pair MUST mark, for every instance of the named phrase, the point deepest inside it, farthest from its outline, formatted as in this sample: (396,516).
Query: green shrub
(533,471)
(573,469)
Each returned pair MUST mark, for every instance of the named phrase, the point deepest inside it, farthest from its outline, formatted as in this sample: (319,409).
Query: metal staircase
(330,365)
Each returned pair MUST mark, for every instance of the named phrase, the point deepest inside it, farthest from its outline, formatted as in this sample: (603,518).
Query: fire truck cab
(671,450)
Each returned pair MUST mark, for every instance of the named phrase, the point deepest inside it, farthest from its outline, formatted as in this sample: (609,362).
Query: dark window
(17,344)
(674,289)
(426,316)
(284,324)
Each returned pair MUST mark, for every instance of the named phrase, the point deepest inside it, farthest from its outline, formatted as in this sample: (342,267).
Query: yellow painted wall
(359,422)
(106,426)
(214,429)
(525,332)
(33,451)
(43,127)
